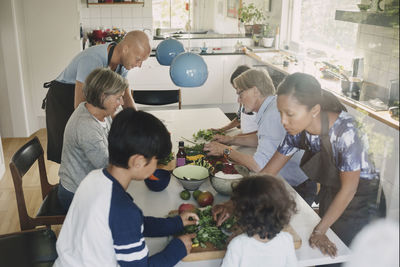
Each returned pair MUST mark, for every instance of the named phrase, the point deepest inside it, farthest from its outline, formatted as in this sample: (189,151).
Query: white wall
(38,39)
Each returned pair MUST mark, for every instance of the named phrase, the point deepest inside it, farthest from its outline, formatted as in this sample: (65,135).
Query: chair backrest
(25,157)
(28,248)
(20,163)
(157,97)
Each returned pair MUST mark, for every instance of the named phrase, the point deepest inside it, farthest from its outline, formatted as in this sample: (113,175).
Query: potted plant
(252,17)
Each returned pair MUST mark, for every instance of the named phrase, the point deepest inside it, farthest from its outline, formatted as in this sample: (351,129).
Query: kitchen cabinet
(230,63)
(216,91)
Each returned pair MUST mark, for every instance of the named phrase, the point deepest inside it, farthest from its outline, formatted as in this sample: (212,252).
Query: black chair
(32,248)
(157,97)
(50,212)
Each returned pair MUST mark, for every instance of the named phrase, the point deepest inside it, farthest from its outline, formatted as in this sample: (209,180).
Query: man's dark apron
(59,106)
(321,168)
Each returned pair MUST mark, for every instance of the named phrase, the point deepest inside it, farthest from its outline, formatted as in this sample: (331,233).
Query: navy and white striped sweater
(104,227)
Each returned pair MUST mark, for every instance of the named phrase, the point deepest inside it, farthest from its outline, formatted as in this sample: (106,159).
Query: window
(170,14)
(313,25)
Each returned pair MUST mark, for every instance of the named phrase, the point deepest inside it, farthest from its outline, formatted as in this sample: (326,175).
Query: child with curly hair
(263,207)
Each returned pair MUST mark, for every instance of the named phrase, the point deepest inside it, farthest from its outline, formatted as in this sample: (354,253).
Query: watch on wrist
(227,152)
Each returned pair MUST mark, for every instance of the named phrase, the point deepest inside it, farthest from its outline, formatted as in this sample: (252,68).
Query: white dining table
(185,122)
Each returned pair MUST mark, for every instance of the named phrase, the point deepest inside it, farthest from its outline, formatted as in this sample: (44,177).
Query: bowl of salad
(226,175)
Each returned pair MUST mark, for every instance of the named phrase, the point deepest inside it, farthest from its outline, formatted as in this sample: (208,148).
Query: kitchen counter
(212,51)
(330,85)
(200,36)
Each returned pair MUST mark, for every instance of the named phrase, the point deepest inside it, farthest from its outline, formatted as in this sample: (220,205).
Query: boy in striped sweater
(104,227)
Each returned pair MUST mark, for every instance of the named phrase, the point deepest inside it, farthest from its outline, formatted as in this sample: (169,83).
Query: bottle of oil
(181,155)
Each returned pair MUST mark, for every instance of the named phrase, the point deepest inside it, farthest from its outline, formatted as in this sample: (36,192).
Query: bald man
(66,91)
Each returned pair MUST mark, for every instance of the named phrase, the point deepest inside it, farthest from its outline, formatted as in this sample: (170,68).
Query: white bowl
(196,175)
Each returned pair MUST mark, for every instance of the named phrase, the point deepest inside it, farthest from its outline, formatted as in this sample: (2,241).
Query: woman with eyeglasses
(256,93)
(85,146)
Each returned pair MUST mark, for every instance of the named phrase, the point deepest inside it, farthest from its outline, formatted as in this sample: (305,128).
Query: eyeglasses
(240,93)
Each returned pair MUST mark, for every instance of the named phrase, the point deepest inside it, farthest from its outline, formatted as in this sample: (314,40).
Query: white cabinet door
(151,75)
(231,62)
(2,164)
(211,91)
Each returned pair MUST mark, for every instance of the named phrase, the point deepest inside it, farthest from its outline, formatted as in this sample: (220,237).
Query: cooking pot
(351,87)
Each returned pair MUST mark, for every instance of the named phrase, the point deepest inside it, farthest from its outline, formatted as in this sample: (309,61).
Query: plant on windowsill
(252,17)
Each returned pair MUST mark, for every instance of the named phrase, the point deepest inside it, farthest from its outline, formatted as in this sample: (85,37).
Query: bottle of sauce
(181,155)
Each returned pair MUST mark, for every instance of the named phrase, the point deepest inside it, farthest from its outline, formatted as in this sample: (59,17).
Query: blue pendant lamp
(188,70)
(167,50)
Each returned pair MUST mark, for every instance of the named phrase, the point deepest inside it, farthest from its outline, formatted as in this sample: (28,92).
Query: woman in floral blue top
(336,156)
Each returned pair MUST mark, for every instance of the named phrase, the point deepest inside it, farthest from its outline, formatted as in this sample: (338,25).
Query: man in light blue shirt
(256,93)
(66,91)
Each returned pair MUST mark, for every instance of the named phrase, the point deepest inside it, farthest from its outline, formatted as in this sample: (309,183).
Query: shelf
(370,18)
(114,3)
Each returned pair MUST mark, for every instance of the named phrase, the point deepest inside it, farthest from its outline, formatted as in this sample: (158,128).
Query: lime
(185,194)
(196,194)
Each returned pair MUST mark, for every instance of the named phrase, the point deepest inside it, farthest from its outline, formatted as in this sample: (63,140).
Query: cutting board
(210,252)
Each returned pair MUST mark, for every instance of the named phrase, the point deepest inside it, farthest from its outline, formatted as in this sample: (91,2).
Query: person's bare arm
(128,99)
(217,149)
(275,164)
(79,95)
(250,140)
(234,123)
(349,183)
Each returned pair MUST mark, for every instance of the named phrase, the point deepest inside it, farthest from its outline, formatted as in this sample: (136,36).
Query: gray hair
(255,78)
(101,83)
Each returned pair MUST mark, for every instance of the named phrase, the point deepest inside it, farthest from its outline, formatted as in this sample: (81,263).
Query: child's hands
(187,241)
(189,218)
(222,212)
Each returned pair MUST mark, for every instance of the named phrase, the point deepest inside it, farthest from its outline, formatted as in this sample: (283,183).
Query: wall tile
(94,12)
(147,23)
(95,23)
(116,22)
(147,10)
(137,23)
(383,78)
(105,12)
(126,12)
(105,23)
(127,23)
(387,46)
(116,11)
(384,62)
(137,11)
(394,65)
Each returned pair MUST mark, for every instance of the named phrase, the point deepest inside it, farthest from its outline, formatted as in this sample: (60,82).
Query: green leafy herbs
(166,160)
(207,230)
(195,149)
(206,135)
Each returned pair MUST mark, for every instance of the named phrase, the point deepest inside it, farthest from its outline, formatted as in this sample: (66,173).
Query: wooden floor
(9,220)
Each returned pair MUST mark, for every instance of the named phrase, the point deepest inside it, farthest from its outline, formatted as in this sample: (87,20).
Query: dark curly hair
(263,205)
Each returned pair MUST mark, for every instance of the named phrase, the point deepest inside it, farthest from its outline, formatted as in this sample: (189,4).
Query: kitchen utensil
(189,140)
(358,68)
(351,87)
(191,176)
